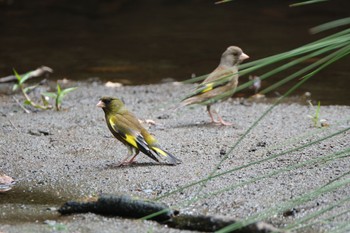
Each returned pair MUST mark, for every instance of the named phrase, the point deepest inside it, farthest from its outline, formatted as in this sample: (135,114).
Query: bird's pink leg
(124,162)
(211,115)
(132,159)
(221,121)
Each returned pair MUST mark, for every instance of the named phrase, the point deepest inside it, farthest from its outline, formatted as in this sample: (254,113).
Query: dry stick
(25,110)
(34,73)
(13,125)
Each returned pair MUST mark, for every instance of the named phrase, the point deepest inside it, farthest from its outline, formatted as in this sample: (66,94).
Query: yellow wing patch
(208,87)
(127,137)
(131,140)
(160,151)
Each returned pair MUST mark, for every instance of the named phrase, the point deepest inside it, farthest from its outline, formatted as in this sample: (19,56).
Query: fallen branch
(24,109)
(124,206)
(32,74)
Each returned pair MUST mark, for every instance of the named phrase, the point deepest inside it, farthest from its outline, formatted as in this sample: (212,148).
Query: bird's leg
(132,159)
(211,115)
(224,122)
(125,161)
(221,121)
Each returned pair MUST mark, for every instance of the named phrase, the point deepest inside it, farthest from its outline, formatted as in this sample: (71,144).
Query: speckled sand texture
(60,156)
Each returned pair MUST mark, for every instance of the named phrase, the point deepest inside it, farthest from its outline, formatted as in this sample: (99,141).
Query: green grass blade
(58,89)
(326,220)
(287,205)
(298,223)
(330,25)
(196,79)
(67,90)
(343,228)
(289,65)
(254,163)
(332,57)
(307,3)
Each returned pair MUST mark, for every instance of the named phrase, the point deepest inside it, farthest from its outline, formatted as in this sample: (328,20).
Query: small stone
(222,152)
(50,222)
(113,85)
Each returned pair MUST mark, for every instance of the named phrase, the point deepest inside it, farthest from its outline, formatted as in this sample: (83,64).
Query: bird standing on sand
(223,79)
(127,129)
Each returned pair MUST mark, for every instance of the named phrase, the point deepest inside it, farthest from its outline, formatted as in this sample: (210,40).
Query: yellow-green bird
(224,78)
(126,128)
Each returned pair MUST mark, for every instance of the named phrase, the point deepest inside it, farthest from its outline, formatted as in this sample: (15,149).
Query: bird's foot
(222,122)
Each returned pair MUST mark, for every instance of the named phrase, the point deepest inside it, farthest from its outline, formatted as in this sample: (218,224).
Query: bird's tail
(183,103)
(162,153)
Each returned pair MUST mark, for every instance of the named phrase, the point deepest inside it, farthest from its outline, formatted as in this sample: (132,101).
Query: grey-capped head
(233,56)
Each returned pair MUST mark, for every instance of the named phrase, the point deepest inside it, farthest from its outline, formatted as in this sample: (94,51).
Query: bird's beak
(243,56)
(100,104)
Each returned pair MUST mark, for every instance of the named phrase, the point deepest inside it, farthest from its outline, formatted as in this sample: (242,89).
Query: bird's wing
(130,134)
(219,79)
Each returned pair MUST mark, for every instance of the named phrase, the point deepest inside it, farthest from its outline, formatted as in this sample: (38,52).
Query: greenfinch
(126,128)
(217,86)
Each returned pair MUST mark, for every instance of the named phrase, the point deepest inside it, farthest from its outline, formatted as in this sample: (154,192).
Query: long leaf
(307,3)
(330,25)
(17,75)
(65,91)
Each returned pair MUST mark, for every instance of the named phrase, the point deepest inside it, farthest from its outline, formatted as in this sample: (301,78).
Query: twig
(34,73)
(13,125)
(26,110)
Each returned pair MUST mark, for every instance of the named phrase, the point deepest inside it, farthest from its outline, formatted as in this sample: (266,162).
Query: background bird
(220,84)
(126,128)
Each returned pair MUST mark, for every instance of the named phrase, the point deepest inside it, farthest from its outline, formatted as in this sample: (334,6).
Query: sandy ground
(60,156)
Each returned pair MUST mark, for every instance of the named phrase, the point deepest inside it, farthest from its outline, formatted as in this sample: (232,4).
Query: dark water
(143,42)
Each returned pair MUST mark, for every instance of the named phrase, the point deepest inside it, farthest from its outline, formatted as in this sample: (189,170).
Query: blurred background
(144,42)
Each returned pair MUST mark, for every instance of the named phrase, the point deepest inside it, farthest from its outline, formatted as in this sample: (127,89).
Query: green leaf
(59,100)
(61,95)
(17,75)
(25,77)
(27,102)
(58,89)
(50,94)
(65,91)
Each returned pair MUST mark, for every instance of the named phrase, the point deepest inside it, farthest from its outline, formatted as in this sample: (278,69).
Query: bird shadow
(134,165)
